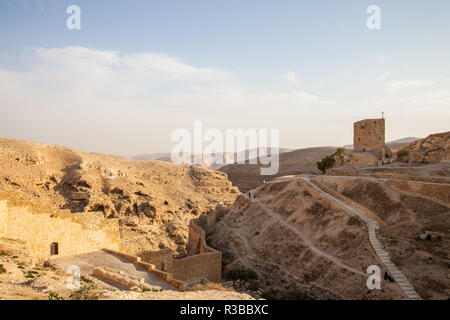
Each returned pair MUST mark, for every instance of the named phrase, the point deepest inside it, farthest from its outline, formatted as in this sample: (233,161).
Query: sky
(138,70)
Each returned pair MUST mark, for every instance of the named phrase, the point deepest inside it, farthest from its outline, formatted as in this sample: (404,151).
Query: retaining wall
(439,193)
(73,233)
(150,268)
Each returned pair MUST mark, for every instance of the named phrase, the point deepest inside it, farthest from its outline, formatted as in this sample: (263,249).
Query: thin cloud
(397,86)
(382,76)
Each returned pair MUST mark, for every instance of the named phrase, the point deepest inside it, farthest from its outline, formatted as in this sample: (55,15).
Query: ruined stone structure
(202,262)
(67,234)
(62,235)
(369,147)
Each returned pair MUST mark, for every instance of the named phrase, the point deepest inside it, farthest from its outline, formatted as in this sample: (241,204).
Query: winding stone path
(372,226)
(305,239)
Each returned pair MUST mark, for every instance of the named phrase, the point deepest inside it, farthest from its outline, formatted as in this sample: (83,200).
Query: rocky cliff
(432,149)
(153,200)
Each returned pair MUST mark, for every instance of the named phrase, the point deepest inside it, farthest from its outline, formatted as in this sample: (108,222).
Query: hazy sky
(137,70)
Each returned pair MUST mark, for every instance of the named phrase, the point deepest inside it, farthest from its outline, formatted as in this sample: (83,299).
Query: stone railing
(123,278)
(181,285)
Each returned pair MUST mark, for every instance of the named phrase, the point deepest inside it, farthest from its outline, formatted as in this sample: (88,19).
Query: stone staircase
(372,226)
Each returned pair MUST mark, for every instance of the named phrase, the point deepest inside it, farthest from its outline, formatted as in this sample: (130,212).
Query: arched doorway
(54,250)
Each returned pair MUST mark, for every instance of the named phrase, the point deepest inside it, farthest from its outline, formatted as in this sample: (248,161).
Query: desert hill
(302,245)
(432,149)
(247,176)
(153,200)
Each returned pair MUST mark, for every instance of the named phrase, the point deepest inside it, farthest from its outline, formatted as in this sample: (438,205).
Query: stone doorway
(54,250)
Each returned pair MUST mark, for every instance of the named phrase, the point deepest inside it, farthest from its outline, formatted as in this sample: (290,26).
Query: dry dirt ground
(152,200)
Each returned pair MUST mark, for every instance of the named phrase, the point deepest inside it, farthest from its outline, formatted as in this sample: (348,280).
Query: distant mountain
(152,156)
(209,161)
(400,143)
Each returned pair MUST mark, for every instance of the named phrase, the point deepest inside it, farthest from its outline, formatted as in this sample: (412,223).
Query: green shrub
(86,292)
(326,163)
(54,296)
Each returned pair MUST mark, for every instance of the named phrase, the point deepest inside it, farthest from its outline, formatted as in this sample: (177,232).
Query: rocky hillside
(416,230)
(152,200)
(433,149)
(305,246)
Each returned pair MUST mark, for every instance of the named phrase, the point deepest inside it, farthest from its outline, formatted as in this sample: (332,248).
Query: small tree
(326,163)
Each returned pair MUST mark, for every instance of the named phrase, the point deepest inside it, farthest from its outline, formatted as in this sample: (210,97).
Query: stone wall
(200,266)
(439,193)
(364,159)
(166,276)
(73,233)
(3,217)
(369,135)
(202,262)
(159,258)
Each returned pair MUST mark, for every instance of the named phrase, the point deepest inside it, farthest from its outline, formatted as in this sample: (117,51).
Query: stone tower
(368,136)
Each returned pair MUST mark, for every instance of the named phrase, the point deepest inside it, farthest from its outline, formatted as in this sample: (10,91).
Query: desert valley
(152,229)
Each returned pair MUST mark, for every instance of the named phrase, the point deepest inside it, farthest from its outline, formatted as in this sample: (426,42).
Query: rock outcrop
(433,149)
(153,200)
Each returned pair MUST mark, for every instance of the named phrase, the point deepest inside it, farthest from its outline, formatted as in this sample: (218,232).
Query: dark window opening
(364,149)
(54,248)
